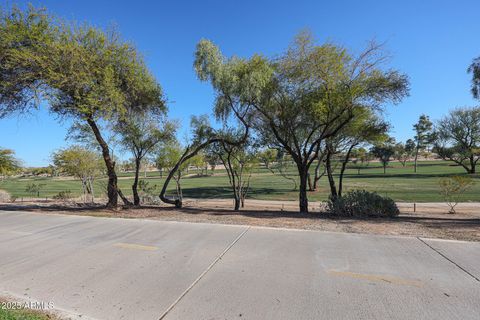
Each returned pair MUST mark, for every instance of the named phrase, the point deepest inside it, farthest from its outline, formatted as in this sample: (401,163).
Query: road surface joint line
(448,259)
(203,274)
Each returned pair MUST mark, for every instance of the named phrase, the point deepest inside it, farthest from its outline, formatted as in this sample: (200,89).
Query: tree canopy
(458,137)
(8,162)
(26,38)
(302,97)
(81,163)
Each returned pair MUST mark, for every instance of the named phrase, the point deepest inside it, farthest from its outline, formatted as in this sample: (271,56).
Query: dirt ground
(429,220)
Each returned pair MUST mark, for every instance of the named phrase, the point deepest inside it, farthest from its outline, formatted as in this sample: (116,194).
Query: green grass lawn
(22,314)
(399,183)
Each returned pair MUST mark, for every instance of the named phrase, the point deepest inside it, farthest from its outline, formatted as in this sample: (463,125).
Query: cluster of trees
(313,105)
(85,74)
(300,102)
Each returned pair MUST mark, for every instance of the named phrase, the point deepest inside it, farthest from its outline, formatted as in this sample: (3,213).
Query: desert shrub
(4,196)
(361,203)
(452,188)
(34,189)
(148,193)
(63,195)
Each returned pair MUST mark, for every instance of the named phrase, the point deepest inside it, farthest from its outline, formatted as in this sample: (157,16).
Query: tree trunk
(317,176)
(93,191)
(342,170)
(310,184)
(415,162)
(237,203)
(112,187)
(136,198)
(303,199)
(472,164)
(331,180)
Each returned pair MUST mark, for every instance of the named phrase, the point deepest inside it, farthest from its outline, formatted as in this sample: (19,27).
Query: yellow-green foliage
(451,188)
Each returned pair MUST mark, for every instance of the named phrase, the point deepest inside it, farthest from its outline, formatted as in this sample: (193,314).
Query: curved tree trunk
(136,197)
(342,170)
(189,154)
(176,202)
(331,180)
(112,188)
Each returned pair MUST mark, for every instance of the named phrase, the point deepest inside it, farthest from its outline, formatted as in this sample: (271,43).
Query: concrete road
(104,268)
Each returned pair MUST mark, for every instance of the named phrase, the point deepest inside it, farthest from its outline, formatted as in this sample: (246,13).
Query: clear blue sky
(432,41)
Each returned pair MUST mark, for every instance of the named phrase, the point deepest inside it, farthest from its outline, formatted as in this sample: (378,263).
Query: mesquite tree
(25,41)
(365,128)
(384,152)
(457,137)
(203,136)
(167,158)
(100,78)
(140,134)
(239,162)
(84,73)
(302,97)
(80,163)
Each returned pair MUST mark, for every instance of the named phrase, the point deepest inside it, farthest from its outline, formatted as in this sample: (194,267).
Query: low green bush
(63,195)
(361,203)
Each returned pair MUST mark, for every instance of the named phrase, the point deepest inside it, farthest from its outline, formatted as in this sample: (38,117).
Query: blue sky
(432,41)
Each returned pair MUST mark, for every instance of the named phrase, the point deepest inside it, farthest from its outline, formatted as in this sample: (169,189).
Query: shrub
(63,195)
(361,203)
(34,189)
(452,188)
(148,192)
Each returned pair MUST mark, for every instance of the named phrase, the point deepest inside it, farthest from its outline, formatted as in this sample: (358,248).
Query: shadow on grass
(206,193)
(404,175)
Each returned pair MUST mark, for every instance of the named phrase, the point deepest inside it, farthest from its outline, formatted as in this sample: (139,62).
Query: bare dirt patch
(429,220)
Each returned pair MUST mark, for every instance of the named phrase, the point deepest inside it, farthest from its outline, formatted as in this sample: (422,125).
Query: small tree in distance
(451,188)
(8,163)
(80,163)
(239,161)
(423,136)
(34,188)
(384,153)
